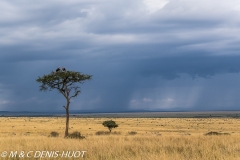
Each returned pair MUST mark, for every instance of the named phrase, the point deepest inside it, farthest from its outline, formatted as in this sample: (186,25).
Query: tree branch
(76,93)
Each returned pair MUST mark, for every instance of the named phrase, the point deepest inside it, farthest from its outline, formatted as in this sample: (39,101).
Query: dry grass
(155,138)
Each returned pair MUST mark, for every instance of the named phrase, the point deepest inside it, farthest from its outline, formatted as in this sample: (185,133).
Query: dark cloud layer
(195,66)
(142,54)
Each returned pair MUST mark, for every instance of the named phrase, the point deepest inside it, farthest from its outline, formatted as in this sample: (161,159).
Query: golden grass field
(156,138)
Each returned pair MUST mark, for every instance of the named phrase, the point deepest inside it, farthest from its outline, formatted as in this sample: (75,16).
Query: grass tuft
(54,134)
(75,135)
(132,133)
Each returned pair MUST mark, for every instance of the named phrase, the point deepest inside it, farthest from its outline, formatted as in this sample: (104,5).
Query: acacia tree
(66,82)
(110,124)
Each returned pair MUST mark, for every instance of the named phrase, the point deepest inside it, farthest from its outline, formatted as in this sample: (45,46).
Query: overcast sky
(143,54)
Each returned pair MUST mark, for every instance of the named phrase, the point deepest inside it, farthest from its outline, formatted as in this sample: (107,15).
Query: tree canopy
(64,82)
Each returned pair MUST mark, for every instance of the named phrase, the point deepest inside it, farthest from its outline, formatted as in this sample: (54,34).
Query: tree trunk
(67,119)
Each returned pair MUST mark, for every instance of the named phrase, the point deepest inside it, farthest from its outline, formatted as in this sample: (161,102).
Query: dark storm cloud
(139,52)
(194,66)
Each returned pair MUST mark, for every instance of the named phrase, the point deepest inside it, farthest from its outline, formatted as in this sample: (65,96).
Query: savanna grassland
(134,139)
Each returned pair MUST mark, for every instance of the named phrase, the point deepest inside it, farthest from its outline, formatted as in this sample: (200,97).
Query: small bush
(54,134)
(215,133)
(27,133)
(132,133)
(116,133)
(107,133)
(110,124)
(102,133)
(75,135)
